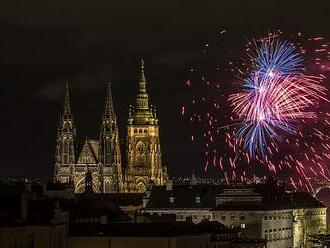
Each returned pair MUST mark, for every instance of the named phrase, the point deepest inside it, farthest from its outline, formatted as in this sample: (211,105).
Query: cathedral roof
(89,152)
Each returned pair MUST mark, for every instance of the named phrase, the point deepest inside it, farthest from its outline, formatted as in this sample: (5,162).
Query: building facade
(102,158)
(144,157)
(284,219)
(186,202)
(258,217)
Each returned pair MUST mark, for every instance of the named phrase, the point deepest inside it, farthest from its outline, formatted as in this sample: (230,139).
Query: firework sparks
(273,124)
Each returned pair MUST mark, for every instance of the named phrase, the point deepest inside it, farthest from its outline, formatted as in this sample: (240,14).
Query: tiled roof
(294,200)
(145,229)
(120,199)
(93,207)
(184,197)
(304,199)
(59,186)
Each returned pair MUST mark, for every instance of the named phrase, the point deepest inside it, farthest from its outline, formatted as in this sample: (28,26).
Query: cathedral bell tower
(66,134)
(109,152)
(144,162)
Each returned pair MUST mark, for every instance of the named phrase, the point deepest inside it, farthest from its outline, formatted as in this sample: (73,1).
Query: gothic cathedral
(99,161)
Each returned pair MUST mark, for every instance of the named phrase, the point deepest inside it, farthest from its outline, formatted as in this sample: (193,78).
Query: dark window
(30,241)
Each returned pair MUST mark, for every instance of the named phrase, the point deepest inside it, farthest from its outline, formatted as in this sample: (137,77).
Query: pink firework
(300,156)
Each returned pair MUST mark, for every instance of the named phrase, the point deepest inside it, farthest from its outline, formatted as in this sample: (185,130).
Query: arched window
(107,187)
(140,154)
(141,187)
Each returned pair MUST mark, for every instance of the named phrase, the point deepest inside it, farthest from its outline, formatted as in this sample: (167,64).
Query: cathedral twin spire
(109,136)
(141,111)
(65,152)
(66,103)
(109,109)
(102,161)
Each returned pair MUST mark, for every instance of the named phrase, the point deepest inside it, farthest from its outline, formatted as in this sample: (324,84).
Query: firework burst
(276,96)
(276,118)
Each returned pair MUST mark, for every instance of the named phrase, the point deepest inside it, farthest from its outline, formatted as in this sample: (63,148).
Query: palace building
(98,165)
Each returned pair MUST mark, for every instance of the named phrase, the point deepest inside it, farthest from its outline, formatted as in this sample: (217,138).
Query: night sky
(44,42)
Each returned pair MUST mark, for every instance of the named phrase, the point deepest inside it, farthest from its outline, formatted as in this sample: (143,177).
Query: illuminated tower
(66,134)
(144,163)
(109,152)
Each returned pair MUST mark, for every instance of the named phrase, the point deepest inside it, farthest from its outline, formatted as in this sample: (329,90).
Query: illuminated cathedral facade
(98,165)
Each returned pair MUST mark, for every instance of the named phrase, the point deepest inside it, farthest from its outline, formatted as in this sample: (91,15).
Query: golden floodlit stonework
(102,158)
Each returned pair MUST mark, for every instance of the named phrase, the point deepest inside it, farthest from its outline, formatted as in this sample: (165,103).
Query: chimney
(24,205)
(44,189)
(169,185)
(27,186)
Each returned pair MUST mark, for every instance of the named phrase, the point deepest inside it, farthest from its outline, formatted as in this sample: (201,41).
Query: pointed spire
(109,109)
(142,99)
(142,77)
(66,102)
(193,180)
